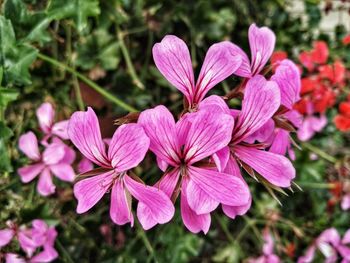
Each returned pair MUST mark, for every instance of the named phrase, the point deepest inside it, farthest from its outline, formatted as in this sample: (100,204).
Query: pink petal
(47,255)
(45,114)
(294,117)
(89,191)
(61,129)
(45,185)
(84,132)
(262,43)
(209,133)
(69,153)
(183,125)
(28,144)
(310,126)
(120,210)
(262,134)
(54,153)
(222,187)
(261,101)
(244,69)
(275,168)
(160,207)
(346,238)
(232,211)
(198,200)
(26,242)
(281,142)
(128,147)
(159,125)
(193,222)
(268,243)
(85,165)
(168,182)
(6,236)
(29,172)
(221,158)
(13,258)
(63,171)
(344,251)
(162,164)
(173,60)
(345,203)
(309,255)
(214,103)
(330,236)
(217,66)
(287,76)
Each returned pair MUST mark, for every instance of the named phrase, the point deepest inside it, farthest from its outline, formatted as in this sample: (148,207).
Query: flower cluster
(203,150)
(55,158)
(36,242)
(330,245)
(321,85)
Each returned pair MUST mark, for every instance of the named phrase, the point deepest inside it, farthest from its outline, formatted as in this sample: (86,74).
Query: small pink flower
(126,150)
(173,60)
(56,158)
(311,124)
(262,43)
(85,165)
(261,101)
(268,247)
(46,116)
(30,240)
(330,244)
(183,146)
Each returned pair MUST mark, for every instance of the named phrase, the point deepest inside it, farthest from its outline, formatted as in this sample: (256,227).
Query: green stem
(224,228)
(145,240)
(319,152)
(89,82)
(64,252)
(316,185)
(129,64)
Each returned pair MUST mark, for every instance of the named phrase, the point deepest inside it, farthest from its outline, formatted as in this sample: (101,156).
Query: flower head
(126,150)
(185,146)
(55,159)
(173,60)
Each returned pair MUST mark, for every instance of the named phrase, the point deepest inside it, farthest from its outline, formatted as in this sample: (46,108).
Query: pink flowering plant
(137,131)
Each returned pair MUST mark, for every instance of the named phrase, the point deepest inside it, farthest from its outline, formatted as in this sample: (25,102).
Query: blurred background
(65,51)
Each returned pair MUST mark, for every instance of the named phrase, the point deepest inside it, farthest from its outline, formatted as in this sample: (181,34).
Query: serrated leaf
(15,58)
(29,25)
(78,10)
(6,96)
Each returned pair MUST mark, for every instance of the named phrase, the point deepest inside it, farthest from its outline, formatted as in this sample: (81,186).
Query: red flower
(276,57)
(335,73)
(318,55)
(346,40)
(342,120)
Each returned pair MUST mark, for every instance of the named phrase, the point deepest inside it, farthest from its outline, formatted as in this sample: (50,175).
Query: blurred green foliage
(110,42)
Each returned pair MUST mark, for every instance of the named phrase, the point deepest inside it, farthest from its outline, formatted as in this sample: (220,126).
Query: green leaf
(6,96)
(5,134)
(78,10)
(29,25)
(15,58)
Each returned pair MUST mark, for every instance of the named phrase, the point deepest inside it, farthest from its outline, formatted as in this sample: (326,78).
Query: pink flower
(185,146)
(329,243)
(126,150)
(262,43)
(85,165)
(345,203)
(261,101)
(56,158)
(30,240)
(310,126)
(173,60)
(46,116)
(268,255)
